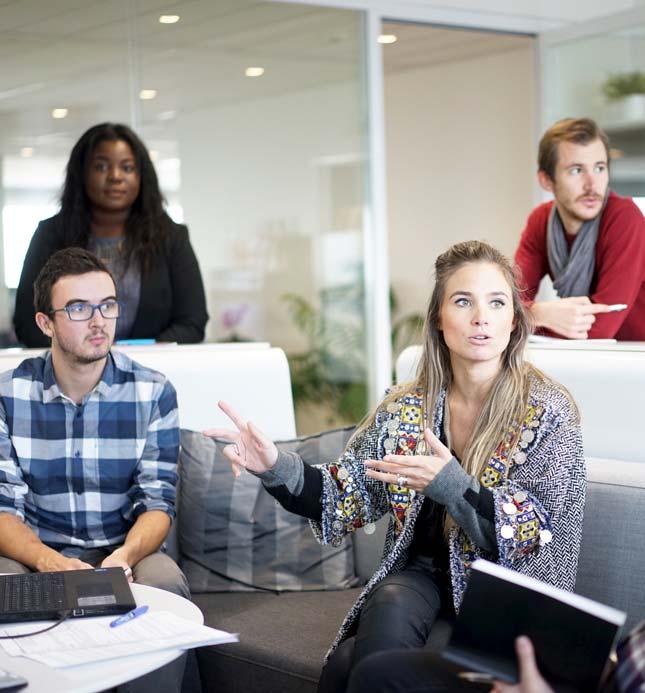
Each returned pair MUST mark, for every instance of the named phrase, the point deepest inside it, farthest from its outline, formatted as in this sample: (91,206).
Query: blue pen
(129,616)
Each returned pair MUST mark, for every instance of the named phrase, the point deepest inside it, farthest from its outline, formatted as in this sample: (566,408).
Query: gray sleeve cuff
(469,504)
(288,471)
(449,485)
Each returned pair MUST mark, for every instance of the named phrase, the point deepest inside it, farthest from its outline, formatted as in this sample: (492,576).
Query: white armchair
(607,381)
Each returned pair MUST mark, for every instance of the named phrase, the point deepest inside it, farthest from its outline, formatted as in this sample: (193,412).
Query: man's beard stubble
(86,359)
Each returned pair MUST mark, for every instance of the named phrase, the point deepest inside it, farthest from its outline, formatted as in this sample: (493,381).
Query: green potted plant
(625,93)
(329,378)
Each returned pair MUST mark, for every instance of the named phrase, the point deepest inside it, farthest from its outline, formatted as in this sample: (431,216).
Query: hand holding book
(571,636)
(531,681)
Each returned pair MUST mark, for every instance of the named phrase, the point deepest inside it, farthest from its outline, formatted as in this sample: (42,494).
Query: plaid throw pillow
(630,669)
(234,536)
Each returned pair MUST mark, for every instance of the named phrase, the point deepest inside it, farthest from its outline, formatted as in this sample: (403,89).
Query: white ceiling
(421,45)
(93,57)
(532,15)
(554,10)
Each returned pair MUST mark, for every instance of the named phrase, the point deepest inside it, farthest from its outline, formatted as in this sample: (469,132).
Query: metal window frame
(376,251)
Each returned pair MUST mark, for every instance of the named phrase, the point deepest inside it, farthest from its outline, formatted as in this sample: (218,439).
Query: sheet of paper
(80,641)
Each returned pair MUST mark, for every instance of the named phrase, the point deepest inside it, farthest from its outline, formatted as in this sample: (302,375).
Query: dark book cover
(572,635)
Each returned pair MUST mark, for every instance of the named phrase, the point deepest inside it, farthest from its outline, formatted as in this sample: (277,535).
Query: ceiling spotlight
(154,154)
(169,19)
(387,38)
(26,152)
(147,94)
(59,113)
(166,115)
(254,71)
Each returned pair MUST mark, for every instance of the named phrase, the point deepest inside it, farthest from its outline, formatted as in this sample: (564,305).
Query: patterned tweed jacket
(537,477)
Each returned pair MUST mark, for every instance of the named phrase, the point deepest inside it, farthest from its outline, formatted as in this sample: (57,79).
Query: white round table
(89,678)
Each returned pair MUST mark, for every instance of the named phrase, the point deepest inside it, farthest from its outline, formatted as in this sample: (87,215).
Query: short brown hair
(64,263)
(576,130)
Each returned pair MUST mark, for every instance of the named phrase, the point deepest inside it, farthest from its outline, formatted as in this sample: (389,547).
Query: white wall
(460,162)
(258,203)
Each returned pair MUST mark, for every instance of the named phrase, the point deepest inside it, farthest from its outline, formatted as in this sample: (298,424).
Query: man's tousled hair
(64,263)
(576,130)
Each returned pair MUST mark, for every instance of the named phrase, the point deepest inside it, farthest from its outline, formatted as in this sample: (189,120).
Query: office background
(320,164)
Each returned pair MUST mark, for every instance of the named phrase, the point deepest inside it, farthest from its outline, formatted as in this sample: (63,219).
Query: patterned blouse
(537,478)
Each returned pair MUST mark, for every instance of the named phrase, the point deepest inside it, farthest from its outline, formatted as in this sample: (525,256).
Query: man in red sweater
(589,240)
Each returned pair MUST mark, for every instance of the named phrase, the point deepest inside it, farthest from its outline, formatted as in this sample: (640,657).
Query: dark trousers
(409,671)
(398,614)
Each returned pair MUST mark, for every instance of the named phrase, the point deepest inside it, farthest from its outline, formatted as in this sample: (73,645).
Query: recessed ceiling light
(59,113)
(147,94)
(27,152)
(387,38)
(169,19)
(166,115)
(154,154)
(254,71)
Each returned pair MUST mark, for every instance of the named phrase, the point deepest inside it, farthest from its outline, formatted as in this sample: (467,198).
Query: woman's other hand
(412,471)
(249,448)
(531,680)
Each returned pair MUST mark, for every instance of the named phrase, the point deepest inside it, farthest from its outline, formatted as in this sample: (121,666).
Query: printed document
(83,640)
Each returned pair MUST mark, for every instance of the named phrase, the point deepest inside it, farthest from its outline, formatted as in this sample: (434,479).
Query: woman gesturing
(479,456)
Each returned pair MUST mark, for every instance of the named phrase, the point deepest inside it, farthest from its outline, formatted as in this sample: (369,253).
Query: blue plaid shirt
(80,475)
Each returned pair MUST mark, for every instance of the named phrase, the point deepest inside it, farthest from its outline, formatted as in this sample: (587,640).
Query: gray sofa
(283,637)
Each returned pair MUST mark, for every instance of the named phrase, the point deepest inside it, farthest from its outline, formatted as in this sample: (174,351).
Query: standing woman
(111,204)
(480,456)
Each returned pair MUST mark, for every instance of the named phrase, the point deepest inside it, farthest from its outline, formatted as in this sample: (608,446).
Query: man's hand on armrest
(20,543)
(569,317)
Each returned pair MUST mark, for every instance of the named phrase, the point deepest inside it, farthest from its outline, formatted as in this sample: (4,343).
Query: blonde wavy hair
(507,400)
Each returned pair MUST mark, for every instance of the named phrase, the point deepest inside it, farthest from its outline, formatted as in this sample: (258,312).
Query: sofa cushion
(283,639)
(287,633)
(234,536)
(611,567)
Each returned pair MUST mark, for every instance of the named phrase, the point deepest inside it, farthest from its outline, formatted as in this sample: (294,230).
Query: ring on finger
(401,480)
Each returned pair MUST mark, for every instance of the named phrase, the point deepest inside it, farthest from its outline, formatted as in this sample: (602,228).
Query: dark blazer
(172,304)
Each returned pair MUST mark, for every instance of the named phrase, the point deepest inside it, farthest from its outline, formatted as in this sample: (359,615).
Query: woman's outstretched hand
(411,471)
(249,448)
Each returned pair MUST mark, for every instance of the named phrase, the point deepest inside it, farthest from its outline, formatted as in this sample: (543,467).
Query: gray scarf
(573,271)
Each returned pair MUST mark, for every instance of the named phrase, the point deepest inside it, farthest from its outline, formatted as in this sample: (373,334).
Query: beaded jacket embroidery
(537,477)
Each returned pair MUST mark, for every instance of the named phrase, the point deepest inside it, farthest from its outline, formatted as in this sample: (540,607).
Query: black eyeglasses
(78,312)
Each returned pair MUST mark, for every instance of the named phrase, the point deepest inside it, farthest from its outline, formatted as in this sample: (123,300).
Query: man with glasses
(89,440)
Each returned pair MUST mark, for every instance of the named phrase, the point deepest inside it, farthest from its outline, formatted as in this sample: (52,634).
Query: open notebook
(573,636)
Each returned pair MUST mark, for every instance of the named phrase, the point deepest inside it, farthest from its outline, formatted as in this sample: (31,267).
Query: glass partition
(254,114)
(599,72)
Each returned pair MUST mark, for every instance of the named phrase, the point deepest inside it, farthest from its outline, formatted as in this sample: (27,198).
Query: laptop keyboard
(32,592)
